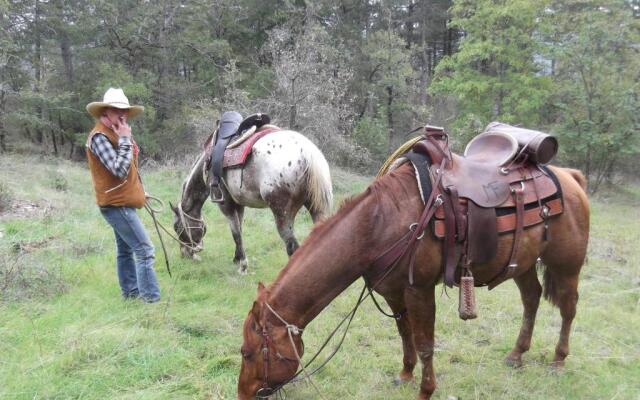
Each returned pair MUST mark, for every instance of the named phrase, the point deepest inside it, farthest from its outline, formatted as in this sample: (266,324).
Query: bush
(58,181)
(6,197)
(23,280)
(373,134)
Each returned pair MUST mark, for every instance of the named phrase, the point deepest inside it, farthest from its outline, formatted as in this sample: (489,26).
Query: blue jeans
(135,255)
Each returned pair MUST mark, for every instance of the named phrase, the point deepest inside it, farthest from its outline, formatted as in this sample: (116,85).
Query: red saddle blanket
(238,155)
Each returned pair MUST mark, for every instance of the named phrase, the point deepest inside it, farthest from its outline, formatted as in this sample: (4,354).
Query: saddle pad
(237,156)
(507,223)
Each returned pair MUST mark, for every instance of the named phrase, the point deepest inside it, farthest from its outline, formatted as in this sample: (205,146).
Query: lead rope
(164,228)
(152,211)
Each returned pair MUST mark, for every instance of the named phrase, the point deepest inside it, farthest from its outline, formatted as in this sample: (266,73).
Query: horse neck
(195,190)
(331,259)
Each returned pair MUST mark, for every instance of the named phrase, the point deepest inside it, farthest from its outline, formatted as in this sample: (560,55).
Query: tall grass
(81,340)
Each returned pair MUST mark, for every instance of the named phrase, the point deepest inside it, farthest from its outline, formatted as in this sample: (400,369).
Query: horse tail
(579,177)
(549,287)
(574,186)
(319,191)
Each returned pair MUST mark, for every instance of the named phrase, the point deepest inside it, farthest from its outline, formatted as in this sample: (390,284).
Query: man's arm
(117,161)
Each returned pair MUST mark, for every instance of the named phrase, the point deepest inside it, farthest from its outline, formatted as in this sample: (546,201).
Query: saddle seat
(492,148)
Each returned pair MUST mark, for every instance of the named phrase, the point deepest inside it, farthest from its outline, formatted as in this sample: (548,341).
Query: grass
(71,336)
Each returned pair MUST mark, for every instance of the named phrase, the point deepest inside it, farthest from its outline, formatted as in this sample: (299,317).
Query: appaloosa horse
(284,171)
(344,248)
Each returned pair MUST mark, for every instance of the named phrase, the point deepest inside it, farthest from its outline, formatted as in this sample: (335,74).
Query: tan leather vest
(111,190)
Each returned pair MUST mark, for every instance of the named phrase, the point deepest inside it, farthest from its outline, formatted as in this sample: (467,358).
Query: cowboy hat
(113,97)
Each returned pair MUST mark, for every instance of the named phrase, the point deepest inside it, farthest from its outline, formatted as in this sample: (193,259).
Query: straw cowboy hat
(113,97)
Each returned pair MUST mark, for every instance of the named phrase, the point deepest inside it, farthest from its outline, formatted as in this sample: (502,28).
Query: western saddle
(499,186)
(229,126)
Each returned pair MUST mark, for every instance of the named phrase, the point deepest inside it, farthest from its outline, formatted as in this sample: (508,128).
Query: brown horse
(343,248)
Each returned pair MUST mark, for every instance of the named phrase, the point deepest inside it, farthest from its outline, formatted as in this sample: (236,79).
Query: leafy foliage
(497,74)
(353,76)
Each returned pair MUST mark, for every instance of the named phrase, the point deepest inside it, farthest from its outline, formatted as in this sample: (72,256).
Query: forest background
(355,76)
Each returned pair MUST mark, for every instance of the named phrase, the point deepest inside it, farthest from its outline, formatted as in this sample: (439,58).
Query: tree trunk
(67,55)
(292,108)
(3,145)
(54,143)
(390,116)
(37,64)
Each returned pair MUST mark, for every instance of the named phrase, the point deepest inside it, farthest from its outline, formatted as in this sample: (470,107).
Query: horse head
(189,230)
(269,358)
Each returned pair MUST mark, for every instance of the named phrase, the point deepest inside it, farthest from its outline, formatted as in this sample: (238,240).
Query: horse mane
(391,188)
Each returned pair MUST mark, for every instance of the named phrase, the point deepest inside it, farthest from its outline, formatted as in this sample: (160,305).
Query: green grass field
(66,334)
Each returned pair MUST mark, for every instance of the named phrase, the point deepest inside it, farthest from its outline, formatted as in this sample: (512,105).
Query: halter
(187,228)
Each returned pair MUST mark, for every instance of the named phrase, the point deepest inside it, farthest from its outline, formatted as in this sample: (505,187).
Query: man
(113,161)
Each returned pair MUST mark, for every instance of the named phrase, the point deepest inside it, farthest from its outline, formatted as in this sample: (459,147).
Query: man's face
(116,115)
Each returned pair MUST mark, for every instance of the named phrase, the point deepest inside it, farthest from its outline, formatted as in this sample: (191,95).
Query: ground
(65,332)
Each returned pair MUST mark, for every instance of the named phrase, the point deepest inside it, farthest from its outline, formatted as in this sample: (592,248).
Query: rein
(391,259)
(158,225)
(153,211)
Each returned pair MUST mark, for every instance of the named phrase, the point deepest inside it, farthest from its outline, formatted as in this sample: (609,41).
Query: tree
(311,80)
(596,74)
(497,74)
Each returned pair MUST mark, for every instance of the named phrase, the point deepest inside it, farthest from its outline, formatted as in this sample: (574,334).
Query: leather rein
(389,259)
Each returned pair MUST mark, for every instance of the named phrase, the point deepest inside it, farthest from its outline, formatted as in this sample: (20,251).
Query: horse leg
(285,216)
(530,291)
(235,213)
(566,297)
(421,307)
(409,351)
(315,214)
(562,270)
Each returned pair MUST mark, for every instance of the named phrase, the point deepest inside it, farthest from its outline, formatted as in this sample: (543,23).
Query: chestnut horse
(343,248)
(284,172)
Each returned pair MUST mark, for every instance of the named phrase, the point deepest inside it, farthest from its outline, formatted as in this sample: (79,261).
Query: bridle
(183,216)
(292,330)
(389,259)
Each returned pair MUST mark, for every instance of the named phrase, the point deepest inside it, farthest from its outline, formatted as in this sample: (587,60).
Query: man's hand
(118,124)
(122,128)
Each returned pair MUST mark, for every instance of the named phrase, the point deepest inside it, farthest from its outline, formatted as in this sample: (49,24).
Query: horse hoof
(402,381)
(196,257)
(557,366)
(242,266)
(515,362)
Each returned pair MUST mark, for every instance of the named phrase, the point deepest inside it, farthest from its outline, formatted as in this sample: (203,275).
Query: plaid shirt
(117,161)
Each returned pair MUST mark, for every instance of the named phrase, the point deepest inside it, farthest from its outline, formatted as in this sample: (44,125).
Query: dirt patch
(28,246)
(26,209)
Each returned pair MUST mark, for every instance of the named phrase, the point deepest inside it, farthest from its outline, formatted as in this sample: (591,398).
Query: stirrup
(214,189)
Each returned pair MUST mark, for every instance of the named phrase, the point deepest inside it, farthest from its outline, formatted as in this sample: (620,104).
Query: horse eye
(245,354)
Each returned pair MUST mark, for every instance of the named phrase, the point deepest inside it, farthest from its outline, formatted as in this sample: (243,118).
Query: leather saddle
(499,186)
(230,125)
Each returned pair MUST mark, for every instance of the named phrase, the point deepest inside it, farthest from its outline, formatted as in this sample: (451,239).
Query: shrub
(6,196)
(58,181)
(21,278)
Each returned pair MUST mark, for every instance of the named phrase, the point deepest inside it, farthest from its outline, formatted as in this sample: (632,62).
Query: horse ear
(260,288)
(173,208)
(255,310)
